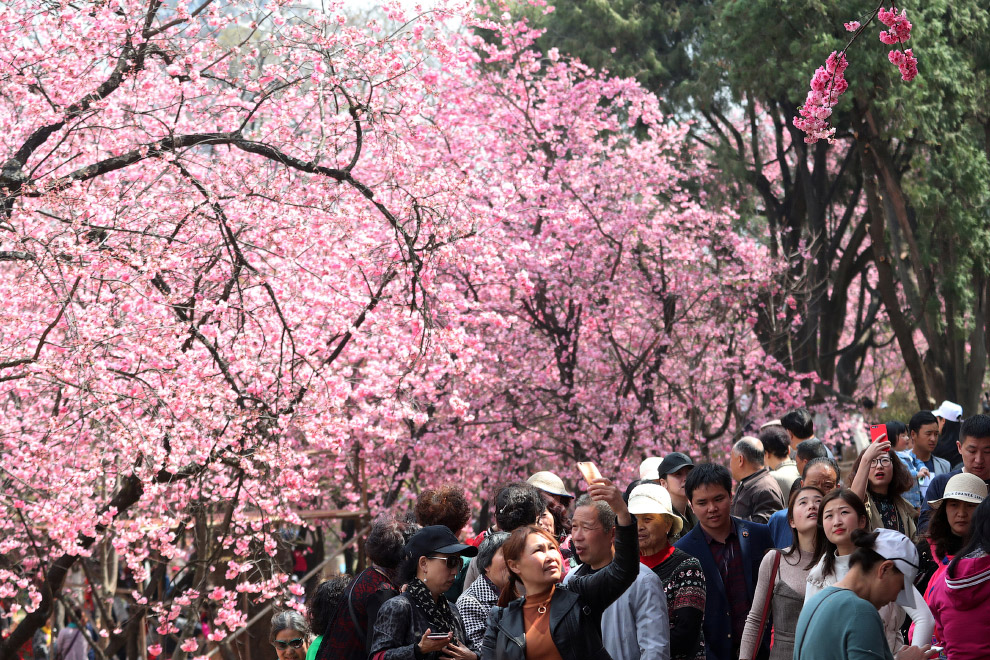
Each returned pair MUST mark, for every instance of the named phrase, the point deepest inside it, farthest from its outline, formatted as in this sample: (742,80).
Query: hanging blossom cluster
(828,82)
(827,85)
(899,32)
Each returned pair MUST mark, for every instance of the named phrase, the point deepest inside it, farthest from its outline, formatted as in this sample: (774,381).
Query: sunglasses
(452,562)
(281,645)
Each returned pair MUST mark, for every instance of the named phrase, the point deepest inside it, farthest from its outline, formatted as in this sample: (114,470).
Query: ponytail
(510,592)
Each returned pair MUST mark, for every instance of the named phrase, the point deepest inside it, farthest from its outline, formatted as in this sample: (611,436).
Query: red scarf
(652,561)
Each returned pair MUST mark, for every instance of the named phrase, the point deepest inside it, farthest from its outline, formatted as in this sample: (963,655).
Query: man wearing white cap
(974,446)
(649,469)
(842,622)
(949,416)
(552,485)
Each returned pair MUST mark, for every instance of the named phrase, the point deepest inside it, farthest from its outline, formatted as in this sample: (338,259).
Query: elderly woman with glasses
(880,479)
(420,623)
(290,635)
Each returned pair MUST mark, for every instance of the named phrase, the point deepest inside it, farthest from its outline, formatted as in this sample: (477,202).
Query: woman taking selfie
(520,628)
(842,623)
(842,513)
(782,579)
(880,479)
(681,574)
(420,622)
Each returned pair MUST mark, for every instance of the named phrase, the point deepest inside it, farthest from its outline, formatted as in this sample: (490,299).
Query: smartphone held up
(878,433)
(589,471)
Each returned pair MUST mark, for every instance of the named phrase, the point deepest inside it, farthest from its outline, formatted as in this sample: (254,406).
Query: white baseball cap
(964,487)
(548,482)
(654,498)
(950,412)
(649,467)
(898,548)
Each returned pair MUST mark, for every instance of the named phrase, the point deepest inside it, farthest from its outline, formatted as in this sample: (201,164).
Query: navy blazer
(754,540)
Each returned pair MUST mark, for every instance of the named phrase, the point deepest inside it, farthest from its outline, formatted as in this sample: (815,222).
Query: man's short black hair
(708,474)
(977,426)
(919,419)
(775,441)
(809,449)
(799,422)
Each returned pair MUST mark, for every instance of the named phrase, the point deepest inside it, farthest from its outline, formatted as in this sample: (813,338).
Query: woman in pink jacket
(960,599)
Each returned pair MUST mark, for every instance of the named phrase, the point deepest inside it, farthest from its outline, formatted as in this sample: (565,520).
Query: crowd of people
(777,555)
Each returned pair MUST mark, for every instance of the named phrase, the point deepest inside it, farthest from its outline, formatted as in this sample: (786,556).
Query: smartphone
(937,649)
(437,636)
(877,430)
(589,471)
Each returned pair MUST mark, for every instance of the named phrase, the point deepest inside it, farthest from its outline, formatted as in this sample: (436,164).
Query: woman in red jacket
(959,599)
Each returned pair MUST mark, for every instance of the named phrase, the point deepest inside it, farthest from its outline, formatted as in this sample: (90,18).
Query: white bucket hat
(648,469)
(950,412)
(964,487)
(654,498)
(548,482)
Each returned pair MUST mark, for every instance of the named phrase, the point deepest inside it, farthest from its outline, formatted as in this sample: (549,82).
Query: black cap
(437,538)
(673,462)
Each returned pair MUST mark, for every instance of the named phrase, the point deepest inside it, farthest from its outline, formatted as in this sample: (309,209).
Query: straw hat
(964,487)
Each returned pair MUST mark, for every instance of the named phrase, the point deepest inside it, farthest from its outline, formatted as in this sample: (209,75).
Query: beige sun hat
(654,498)
(549,482)
(965,488)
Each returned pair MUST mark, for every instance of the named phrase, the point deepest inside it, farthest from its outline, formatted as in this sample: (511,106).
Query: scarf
(438,614)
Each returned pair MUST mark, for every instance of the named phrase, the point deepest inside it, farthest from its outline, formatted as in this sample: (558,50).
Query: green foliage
(729,63)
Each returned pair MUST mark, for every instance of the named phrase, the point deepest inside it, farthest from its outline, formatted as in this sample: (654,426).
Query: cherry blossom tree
(249,248)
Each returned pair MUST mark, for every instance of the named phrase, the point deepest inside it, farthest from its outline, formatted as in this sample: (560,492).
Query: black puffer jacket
(575,610)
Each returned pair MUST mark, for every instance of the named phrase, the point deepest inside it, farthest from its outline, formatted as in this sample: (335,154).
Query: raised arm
(862,477)
(602,588)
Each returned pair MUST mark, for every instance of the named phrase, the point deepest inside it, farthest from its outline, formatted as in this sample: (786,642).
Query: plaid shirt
(728,558)
(474,605)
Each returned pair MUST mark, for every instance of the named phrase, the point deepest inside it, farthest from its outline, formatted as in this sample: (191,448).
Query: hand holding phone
(878,432)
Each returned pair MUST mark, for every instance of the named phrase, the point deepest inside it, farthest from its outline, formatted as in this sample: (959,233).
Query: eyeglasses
(281,645)
(824,486)
(882,461)
(452,562)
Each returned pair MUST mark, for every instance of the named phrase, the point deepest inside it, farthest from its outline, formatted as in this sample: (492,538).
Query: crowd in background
(776,555)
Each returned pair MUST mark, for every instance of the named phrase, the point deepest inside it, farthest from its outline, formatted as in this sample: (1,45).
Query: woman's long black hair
(850,498)
(979,534)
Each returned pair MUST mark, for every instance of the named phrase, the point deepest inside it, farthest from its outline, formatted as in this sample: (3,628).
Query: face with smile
(711,503)
(285,638)
(960,515)
(540,564)
(839,520)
